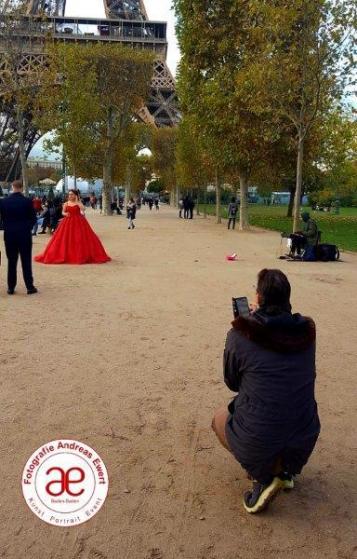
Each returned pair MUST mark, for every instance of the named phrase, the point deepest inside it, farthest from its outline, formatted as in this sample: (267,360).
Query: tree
(155,187)
(163,147)
(133,168)
(123,82)
(339,141)
(193,167)
(256,73)
(38,173)
(19,83)
(71,110)
(218,44)
(141,172)
(338,159)
(278,171)
(302,67)
(94,114)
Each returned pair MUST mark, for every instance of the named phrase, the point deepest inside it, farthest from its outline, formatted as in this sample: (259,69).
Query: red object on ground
(74,242)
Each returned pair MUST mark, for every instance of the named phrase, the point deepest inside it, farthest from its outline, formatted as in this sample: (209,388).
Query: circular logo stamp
(65,483)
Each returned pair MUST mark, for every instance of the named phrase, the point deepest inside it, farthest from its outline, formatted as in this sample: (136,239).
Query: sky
(159,10)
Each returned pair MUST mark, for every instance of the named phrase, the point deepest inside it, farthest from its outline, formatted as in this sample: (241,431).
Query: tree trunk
(218,199)
(64,174)
(172,198)
(299,176)
(291,201)
(108,166)
(107,187)
(205,203)
(22,149)
(198,202)
(244,217)
(128,185)
(127,192)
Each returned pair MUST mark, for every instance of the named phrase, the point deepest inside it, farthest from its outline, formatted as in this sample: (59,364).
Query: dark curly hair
(274,291)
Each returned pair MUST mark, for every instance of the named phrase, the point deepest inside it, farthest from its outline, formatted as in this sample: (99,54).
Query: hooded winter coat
(269,360)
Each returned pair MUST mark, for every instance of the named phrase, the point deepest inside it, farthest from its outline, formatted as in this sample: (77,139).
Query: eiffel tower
(126,22)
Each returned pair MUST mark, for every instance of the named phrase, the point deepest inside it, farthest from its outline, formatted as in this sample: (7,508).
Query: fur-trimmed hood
(283,333)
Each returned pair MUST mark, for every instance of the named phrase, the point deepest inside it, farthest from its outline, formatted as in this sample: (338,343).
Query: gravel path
(126,357)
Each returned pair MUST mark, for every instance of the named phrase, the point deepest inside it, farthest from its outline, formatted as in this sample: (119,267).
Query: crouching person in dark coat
(272,425)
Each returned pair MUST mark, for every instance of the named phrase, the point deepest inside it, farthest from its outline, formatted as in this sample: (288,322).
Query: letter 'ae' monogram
(65,481)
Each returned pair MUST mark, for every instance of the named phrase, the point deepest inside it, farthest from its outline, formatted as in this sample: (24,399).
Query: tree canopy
(101,89)
(258,78)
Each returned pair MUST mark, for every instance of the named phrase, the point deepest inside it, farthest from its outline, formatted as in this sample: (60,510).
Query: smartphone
(240,307)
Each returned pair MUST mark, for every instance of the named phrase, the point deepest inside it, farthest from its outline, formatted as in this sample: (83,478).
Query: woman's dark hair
(274,291)
(75,192)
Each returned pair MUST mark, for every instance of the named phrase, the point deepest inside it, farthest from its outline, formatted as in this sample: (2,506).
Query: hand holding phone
(240,307)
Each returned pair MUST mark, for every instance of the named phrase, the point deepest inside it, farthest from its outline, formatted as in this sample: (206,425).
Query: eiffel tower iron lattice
(126,22)
(48,7)
(125,9)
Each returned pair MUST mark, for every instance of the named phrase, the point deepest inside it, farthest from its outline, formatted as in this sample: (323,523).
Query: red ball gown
(74,242)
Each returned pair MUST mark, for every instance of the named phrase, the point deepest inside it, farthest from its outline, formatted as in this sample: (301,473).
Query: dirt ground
(126,357)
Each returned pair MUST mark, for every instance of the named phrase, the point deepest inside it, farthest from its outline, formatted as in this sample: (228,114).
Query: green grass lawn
(340,230)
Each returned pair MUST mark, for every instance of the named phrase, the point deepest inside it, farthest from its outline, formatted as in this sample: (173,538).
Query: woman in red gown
(74,241)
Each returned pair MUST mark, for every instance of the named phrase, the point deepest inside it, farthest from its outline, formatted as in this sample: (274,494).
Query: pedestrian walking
(232,213)
(181,208)
(93,201)
(131,213)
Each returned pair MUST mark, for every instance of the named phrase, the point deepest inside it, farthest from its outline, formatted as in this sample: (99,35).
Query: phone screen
(241,307)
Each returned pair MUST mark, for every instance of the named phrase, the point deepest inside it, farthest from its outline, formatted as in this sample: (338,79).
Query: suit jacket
(17,214)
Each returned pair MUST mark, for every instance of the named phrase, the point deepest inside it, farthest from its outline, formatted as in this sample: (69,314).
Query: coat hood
(283,333)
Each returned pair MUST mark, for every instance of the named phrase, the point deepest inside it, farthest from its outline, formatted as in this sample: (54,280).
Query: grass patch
(340,230)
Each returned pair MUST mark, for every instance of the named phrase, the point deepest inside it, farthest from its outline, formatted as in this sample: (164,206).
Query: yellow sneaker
(261,495)
(288,481)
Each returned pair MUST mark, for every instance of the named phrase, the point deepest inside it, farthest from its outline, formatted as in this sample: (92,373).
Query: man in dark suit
(19,217)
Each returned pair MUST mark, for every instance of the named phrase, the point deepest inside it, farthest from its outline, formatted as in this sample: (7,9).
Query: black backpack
(327,253)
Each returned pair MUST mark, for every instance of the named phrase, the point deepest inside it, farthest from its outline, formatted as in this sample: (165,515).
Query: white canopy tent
(85,187)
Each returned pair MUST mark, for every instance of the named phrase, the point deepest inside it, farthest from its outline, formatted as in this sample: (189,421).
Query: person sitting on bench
(305,240)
